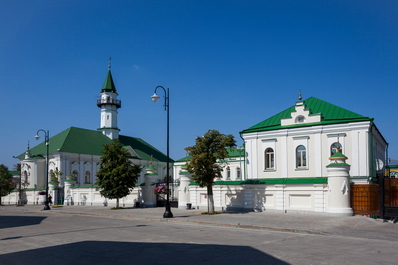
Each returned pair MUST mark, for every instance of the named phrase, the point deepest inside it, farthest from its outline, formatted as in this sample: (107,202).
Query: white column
(339,186)
(69,181)
(151,176)
(148,195)
(184,195)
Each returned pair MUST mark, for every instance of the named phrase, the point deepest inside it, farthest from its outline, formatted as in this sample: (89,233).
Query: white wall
(353,137)
(275,198)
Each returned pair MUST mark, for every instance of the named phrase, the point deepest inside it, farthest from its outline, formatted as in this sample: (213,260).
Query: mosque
(74,156)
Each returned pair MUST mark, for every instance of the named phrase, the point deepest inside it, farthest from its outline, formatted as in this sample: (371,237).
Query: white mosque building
(76,153)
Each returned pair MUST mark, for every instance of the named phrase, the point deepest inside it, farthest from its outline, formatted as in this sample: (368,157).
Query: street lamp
(46,139)
(155,98)
(20,191)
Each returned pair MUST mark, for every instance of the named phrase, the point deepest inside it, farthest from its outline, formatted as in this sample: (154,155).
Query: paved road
(98,235)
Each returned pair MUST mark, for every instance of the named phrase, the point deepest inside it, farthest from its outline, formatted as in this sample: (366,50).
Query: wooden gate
(376,199)
(365,199)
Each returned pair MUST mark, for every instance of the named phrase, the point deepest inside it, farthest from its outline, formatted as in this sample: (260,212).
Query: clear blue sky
(228,64)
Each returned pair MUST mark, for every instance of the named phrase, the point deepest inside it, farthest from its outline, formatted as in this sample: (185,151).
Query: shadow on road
(106,252)
(16,221)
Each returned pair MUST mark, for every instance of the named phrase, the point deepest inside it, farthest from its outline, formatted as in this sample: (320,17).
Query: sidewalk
(354,226)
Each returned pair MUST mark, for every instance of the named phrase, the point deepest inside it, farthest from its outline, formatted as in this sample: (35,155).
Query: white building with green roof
(286,161)
(76,152)
(297,142)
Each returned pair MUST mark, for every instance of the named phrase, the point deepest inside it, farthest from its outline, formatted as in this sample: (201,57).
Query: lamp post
(46,139)
(20,191)
(155,98)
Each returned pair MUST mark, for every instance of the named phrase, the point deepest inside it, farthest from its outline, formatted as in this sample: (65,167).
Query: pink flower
(161,189)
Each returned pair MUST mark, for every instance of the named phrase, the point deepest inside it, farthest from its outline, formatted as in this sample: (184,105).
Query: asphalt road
(48,237)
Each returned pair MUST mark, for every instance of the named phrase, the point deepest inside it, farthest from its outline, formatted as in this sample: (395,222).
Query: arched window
(238,176)
(25,178)
(301,157)
(269,158)
(336,147)
(87,177)
(75,174)
(228,173)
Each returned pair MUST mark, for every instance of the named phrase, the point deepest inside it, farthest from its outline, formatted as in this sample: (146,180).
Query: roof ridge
(328,111)
(310,99)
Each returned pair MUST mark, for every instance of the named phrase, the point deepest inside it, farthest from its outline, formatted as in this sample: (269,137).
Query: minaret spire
(109,105)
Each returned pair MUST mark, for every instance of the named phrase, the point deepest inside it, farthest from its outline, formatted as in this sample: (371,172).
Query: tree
(117,175)
(17,166)
(6,184)
(208,160)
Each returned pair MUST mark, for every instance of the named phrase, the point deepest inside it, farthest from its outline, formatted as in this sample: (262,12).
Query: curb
(276,229)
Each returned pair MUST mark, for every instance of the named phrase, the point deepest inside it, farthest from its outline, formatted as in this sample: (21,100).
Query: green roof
(143,149)
(109,86)
(232,152)
(329,114)
(338,155)
(90,142)
(235,152)
(73,140)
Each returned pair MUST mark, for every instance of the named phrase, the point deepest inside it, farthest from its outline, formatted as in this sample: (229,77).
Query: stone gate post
(338,199)
(184,196)
(151,177)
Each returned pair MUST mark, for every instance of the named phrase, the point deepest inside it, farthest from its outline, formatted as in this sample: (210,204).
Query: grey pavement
(352,226)
(100,235)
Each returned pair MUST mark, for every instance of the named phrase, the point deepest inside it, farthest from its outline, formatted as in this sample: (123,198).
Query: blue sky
(228,64)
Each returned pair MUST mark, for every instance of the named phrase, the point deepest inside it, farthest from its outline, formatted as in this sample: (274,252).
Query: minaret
(109,105)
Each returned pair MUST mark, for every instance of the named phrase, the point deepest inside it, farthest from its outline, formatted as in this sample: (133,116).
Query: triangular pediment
(131,152)
(301,115)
